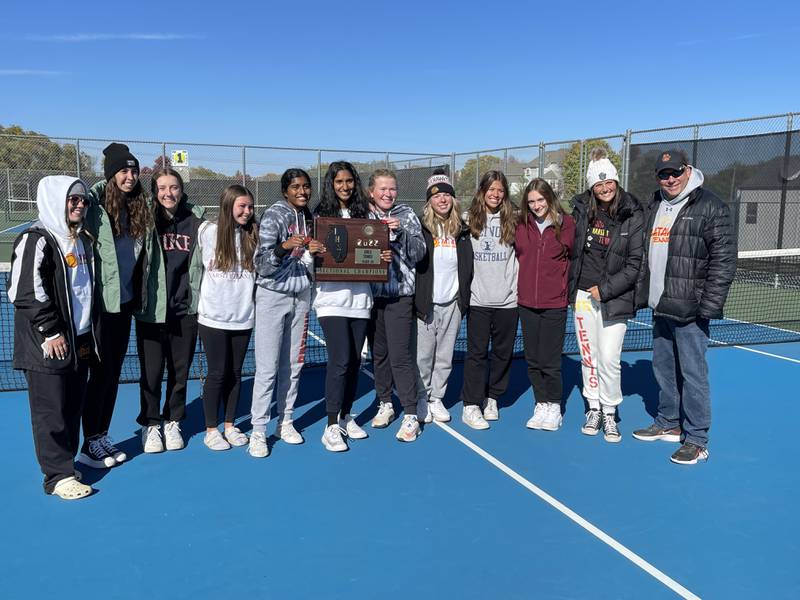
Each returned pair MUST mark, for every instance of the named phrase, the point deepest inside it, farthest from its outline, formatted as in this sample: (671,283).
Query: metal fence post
(163,155)
(244,166)
(626,158)
(695,138)
(10,193)
(581,170)
(542,151)
(505,161)
(784,178)
(319,174)
(78,157)
(386,161)
(453,168)
(477,170)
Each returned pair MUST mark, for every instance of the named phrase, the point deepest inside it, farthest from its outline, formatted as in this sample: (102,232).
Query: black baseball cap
(671,159)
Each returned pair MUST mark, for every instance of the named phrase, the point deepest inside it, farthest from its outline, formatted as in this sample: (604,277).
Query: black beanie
(118,157)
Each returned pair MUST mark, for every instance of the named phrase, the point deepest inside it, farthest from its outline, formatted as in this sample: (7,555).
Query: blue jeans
(679,364)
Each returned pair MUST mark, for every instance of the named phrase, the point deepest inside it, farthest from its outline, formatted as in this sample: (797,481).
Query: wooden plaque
(353,249)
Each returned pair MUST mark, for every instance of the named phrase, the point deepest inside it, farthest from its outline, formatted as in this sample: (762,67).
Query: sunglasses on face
(667,173)
(75,200)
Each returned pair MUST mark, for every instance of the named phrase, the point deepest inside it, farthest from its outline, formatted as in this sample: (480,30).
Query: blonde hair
(450,227)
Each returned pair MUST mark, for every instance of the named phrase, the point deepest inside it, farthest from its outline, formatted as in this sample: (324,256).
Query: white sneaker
(539,415)
(473,417)
(490,410)
(384,417)
(351,429)
(288,433)
(332,439)
(424,410)
(214,441)
(552,420)
(151,439)
(437,409)
(258,445)
(409,429)
(172,435)
(235,437)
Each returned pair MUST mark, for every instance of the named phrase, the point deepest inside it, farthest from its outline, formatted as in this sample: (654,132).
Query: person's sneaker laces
(490,410)
(437,409)
(610,430)
(332,439)
(384,417)
(552,419)
(351,429)
(689,454)
(172,434)
(409,429)
(151,439)
(473,417)
(287,433)
(214,441)
(94,455)
(115,453)
(258,447)
(539,415)
(592,425)
(654,432)
(235,437)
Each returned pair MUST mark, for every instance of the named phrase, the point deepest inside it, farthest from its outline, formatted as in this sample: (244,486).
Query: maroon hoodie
(543,263)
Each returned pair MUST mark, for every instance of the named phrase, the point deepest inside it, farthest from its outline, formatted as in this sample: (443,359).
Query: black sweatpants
(56,402)
(101,391)
(225,351)
(172,342)
(543,335)
(344,338)
(392,355)
(484,324)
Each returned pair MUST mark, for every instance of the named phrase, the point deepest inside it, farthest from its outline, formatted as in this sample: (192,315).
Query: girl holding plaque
(343,309)
(492,315)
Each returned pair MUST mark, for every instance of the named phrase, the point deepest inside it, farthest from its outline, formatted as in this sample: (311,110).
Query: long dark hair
(286,180)
(477,210)
(554,211)
(140,219)
(329,202)
(225,258)
(613,209)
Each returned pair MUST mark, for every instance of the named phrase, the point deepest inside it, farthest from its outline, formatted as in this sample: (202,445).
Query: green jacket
(99,226)
(154,297)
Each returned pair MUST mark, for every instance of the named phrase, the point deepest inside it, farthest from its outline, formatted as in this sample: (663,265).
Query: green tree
(574,179)
(30,150)
(466,176)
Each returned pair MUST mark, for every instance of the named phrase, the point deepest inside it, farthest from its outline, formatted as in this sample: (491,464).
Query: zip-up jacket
(423,295)
(623,256)
(408,248)
(279,269)
(106,267)
(155,296)
(701,261)
(40,289)
(543,263)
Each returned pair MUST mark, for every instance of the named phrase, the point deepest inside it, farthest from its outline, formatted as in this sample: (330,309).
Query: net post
(784,181)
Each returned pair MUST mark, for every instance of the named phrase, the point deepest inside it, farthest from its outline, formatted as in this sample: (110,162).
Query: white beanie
(600,169)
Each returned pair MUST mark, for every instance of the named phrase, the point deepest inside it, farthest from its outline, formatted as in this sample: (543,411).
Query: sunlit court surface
(503,513)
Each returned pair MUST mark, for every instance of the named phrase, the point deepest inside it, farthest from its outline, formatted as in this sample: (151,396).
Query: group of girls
(113,254)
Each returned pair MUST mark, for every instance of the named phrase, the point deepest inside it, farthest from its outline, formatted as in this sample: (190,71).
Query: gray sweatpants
(436,339)
(280,342)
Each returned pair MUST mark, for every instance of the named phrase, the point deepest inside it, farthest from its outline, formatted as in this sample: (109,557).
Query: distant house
(552,175)
(758,206)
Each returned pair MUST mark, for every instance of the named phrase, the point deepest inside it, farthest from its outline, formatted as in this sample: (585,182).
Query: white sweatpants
(600,345)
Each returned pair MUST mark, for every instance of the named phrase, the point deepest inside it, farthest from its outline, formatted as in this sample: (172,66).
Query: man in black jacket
(690,262)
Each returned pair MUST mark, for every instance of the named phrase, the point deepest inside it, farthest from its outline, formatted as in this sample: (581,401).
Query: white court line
(562,508)
(16,227)
(770,354)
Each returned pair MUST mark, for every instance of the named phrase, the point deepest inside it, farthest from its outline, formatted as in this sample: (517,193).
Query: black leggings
(101,391)
(344,338)
(484,324)
(225,351)
(173,342)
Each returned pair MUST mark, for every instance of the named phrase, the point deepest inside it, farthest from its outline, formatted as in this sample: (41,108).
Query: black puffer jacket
(701,263)
(623,256)
(423,293)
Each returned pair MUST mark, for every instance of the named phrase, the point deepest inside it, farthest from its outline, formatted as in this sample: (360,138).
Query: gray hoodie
(408,248)
(278,269)
(668,210)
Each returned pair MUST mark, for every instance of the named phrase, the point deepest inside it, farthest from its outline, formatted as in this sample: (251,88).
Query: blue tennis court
(457,514)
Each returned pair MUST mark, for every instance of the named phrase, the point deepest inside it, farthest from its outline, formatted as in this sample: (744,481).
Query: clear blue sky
(433,76)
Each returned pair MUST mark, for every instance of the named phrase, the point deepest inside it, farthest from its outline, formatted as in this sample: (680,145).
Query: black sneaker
(689,454)
(654,432)
(94,454)
(592,425)
(610,429)
(114,452)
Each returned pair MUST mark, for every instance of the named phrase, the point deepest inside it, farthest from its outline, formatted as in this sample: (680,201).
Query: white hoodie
(51,200)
